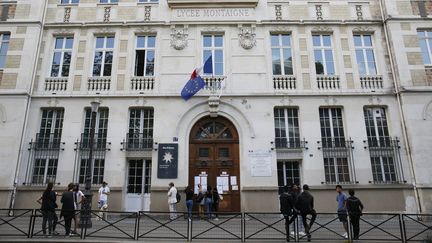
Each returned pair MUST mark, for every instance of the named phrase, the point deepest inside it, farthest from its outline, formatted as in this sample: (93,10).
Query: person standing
(201,201)
(286,201)
(189,200)
(341,198)
(78,199)
(172,200)
(355,210)
(104,192)
(208,201)
(48,206)
(68,208)
(305,204)
(215,202)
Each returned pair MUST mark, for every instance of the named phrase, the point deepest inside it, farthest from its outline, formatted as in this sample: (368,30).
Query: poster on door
(167,160)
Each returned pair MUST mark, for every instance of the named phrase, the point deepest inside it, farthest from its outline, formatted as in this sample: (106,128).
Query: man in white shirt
(104,191)
(172,200)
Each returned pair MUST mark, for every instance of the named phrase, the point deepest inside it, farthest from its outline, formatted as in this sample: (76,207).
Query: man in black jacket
(286,201)
(68,208)
(305,204)
(355,208)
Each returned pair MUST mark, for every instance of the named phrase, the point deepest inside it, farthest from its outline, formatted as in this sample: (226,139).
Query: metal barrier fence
(241,226)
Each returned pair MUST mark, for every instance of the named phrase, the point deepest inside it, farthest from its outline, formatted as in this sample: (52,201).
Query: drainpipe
(400,106)
(29,96)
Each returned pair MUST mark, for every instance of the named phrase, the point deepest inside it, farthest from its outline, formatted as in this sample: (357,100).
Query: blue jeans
(208,204)
(189,204)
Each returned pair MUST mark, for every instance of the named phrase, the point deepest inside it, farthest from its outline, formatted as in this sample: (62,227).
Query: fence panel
(326,227)
(378,227)
(228,226)
(159,225)
(266,226)
(417,227)
(16,222)
(112,224)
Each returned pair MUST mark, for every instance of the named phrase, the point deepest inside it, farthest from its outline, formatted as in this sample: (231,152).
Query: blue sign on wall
(167,160)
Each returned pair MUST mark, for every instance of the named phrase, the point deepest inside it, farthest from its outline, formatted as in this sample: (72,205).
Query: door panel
(138,183)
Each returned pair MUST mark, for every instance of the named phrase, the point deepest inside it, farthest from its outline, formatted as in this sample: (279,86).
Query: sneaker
(216,219)
(301,233)
(55,233)
(309,238)
(345,235)
(292,232)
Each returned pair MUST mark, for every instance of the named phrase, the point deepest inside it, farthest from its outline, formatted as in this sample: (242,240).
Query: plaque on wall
(167,160)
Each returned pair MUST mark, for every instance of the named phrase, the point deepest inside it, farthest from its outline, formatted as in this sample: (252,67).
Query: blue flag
(192,87)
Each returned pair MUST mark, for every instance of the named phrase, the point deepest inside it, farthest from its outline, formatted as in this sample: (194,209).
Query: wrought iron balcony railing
(137,142)
(283,143)
(99,142)
(48,141)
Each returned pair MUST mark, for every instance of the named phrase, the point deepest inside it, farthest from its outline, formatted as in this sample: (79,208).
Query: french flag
(196,83)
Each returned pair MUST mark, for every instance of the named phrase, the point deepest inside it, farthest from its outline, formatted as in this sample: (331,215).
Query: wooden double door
(214,160)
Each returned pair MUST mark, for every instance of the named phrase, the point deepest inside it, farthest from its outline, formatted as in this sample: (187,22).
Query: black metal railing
(47,141)
(283,143)
(137,142)
(99,143)
(242,226)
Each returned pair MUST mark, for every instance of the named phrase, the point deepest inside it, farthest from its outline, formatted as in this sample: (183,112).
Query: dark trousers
(304,219)
(68,222)
(215,208)
(355,222)
(50,217)
(289,219)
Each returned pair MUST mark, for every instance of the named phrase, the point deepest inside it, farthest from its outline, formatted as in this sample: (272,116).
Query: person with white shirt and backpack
(172,201)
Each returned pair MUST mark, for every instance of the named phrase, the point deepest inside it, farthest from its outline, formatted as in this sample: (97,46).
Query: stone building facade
(300,92)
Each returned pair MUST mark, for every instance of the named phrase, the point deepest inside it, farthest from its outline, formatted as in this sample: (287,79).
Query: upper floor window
(108,1)
(281,54)
(287,132)
(4,46)
(69,1)
(365,54)
(323,52)
(148,1)
(145,56)
(213,51)
(61,61)
(425,37)
(102,63)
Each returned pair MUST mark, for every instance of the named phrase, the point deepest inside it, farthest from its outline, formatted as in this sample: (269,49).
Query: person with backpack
(172,200)
(305,204)
(286,201)
(48,206)
(355,210)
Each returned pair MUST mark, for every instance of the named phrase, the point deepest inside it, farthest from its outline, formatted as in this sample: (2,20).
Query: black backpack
(178,197)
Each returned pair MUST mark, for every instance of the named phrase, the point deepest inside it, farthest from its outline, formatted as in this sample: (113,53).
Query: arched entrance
(214,159)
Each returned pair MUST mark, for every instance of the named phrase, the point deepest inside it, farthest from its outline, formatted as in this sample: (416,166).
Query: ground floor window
(288,173)
(139,176)
(97,173)
(44,170)
(336,170)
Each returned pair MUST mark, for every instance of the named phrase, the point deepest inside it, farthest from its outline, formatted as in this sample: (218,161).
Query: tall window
(336,166)
(108,1)
(137,181)
(61,61)
(365,54)
(382,157)
(288,174)
(323,52)
(140,134)
(4,38)
(145,56)
(46,152)
(102,63)
(281,54)
(98,159)
(69,1)
(148,1)
(425,37)
(287,130)
(213,48)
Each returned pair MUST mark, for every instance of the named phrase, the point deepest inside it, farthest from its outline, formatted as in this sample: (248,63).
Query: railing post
(243,227)
(296,228)
(350,230)
(189,229)
(402,228)
(138,214)
(31,224)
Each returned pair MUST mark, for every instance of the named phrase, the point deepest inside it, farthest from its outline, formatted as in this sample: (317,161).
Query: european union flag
(192,87)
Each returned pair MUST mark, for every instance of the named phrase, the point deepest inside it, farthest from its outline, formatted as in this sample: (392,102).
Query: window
(140,134)
(213,49)
(4,38)
(61,61)
(365,54)
(137,181)
(145,56)
(425,37)
(281,54)
(47,147)
(287,132)
(101,129)
(108,1)
(336,167)
(69,1)
(148,1)
(103,57)
(381,153)
(323,52)
(288,174)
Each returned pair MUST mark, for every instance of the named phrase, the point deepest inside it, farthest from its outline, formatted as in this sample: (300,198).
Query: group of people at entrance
(72,199)
(207,201)
(294,203)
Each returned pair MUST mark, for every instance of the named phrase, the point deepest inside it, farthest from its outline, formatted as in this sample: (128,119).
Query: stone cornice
(212,3)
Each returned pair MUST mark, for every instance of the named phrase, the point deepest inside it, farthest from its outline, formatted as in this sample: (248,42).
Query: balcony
(214,83)
(99,84)
(284,82)
(99,144)
(371,82)
(51,141)
(138,145)
(289,149)
(328,82)
(56,84)
(142,83)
